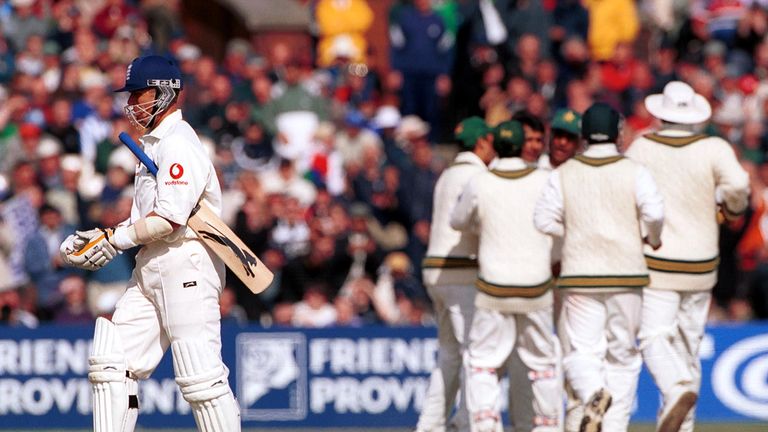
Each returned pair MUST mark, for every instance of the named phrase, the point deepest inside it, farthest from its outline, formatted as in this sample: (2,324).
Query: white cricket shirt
(185,175)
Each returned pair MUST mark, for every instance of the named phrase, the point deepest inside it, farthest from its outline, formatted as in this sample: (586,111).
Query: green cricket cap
(567,120)
(469,130)
(508,137)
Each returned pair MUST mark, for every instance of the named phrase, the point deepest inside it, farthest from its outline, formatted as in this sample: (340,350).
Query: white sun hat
(387,116)
(679,104)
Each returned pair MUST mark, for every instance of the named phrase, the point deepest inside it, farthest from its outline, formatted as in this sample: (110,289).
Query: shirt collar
(162,129)
(601,150)
(675,132)
(510,164)
(469,157)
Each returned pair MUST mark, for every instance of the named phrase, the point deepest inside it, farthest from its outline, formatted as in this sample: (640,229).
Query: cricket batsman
(172,298)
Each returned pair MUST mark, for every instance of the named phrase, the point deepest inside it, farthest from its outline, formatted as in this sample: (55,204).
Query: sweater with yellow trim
(451,257)
(602,246)
(694,173)
(514,258)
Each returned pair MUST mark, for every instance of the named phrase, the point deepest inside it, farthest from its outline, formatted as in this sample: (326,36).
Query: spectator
(314,310)
(570,19)
(421,57)
(318,265)
(231,312)
(421,180)
(286,180)
(293,115)
(112,15)
(41,255)
(7,243)
(282,314)
(253,149)
(120,170)
(610,23)
(74,309)
(345,313)
(371,304)
(61,127)
(326,167)
(24,24)
(342,27)
(291,232)
(49,162)
(12,311)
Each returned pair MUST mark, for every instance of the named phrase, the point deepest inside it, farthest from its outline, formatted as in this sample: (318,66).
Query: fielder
(449,271)
(172,299)
(564,142)
(513,300)
(596,203)
(698,176)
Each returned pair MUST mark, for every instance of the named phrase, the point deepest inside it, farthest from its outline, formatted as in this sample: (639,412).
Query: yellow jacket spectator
(610,23)
(342,25)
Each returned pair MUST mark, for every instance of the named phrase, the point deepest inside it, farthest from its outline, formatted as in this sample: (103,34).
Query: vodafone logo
(740,377)
(176,171)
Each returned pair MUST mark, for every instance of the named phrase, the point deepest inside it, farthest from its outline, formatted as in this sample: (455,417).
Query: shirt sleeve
(549,212)
(464,214)
(183,171)
(650,203)
(732,183)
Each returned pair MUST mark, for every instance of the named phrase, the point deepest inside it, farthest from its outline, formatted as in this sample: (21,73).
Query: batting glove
(90,250)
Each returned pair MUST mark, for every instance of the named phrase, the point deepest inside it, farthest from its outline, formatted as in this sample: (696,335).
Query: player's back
(451,254)
(688,170)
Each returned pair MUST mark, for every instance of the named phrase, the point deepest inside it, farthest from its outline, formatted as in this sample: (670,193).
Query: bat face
(247,259)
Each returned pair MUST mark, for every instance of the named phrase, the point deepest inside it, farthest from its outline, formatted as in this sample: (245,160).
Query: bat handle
(133,147)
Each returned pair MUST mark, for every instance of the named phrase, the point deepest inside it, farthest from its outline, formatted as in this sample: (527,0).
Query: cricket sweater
(596,202)
(451,257)
(696,174)
(514,258)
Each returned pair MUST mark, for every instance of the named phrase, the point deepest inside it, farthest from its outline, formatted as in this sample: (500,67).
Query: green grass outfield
(643,427)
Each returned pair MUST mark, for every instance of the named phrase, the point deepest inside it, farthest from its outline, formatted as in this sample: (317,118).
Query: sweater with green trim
(602,246)
(695,174)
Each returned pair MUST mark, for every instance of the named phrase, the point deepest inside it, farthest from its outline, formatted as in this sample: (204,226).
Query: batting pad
(202,379)
(115,395)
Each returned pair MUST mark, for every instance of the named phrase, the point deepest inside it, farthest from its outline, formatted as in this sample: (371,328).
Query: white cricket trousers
(454,307)
(670,337)
(172,295)
(492,338)
(599,334)
(574,408)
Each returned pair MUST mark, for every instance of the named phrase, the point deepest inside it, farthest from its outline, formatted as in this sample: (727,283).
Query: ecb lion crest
(271,376)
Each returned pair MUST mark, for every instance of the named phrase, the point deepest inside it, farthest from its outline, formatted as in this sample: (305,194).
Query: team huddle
(568,271)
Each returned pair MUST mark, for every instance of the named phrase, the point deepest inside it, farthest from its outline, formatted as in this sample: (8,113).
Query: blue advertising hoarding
(341,377)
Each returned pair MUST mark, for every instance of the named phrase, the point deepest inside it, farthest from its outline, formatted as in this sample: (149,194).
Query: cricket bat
(215,234)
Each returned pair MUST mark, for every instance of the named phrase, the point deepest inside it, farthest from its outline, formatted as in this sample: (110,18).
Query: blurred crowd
(327,158)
